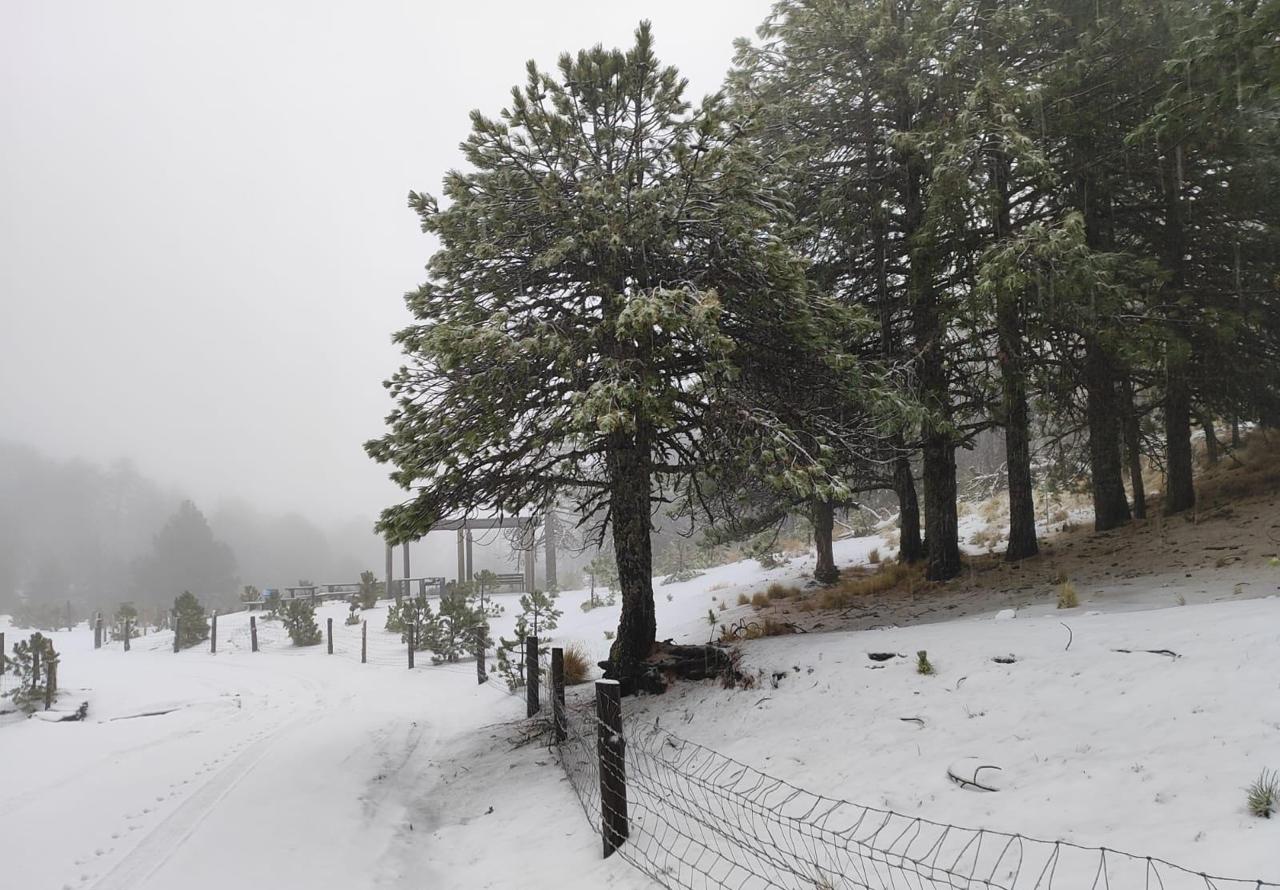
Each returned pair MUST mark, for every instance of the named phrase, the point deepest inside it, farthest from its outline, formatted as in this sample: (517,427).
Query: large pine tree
(608,276)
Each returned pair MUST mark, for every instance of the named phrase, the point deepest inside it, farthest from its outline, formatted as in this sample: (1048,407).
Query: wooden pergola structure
(466,566)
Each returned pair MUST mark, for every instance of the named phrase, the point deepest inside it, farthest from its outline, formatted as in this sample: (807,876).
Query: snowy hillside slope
(291,768)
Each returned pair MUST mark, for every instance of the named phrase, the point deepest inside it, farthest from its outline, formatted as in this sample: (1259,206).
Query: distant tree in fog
(185,556)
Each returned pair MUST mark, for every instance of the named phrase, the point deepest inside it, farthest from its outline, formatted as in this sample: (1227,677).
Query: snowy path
(285,768)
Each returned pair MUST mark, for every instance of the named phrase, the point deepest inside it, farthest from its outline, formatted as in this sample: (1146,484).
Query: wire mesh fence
(699,820)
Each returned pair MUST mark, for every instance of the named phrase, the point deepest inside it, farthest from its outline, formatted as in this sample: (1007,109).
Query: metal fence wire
(700,820)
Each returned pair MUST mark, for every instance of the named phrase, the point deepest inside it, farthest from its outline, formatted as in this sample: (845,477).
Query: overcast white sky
(203,232)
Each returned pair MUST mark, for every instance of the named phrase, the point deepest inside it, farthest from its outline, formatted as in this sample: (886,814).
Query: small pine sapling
(370,591)
(193,626)
(538,616)
(31,664)
(300,622)
(923,665)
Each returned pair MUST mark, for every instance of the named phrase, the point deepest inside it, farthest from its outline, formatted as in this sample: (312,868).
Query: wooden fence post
(413,635)
(531,674)
(611,749)
(51,683)
(128,632)
(97,631)
(481,674)
(177,629)
(328,622)
(35,667)
(364,642)
(4,659)
(557,693)
(253,633)
(213,634)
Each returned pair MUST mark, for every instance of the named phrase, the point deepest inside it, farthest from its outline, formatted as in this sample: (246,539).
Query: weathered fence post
(177,629)
(613,782)
(97,631)
(213,634)
(128,632)
(557,693)
(481,674)
(364,642)
(413,635)
(51,683)
(253,633)
(531,674)
(3,657)
(35,667)
(328,622)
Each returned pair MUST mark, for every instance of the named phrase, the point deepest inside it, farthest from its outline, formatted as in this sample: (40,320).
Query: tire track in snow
(151,853)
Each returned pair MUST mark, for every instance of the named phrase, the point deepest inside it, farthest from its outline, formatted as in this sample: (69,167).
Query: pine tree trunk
(942,548)
(824,522)
(1017,433)
(941,522)
(1133,451)
(1180,492)
(629,489)
(910,546)
(1212,448)
(1110,508)
(1014,414)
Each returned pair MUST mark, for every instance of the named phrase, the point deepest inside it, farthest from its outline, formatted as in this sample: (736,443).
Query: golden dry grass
(1067,596)
(759,600)
(744,600)
(577,665)
(874,556)
(848,591)
(779,591)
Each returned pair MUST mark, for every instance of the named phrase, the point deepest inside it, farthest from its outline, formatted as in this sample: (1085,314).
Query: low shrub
(1264,793)
(759,600)
(874,556)
(744,600)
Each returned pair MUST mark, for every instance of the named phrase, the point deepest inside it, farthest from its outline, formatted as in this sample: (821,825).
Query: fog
(205,243)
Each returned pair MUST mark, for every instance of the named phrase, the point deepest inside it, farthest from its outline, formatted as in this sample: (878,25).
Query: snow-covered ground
(290,768)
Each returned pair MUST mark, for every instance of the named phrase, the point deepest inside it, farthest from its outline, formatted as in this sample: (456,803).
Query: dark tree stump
(667,663)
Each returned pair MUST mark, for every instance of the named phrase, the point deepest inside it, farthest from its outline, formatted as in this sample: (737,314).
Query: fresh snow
(290,768)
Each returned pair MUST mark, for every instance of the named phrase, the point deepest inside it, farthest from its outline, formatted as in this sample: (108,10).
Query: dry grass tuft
(987,538)
(577,665)
(754,630)
(1067,596)
(848,591)
(759,600)
(874,556)
(780,591)
(744,600)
